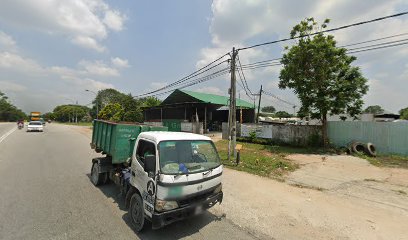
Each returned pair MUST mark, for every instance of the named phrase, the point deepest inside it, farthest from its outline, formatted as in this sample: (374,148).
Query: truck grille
(194,199)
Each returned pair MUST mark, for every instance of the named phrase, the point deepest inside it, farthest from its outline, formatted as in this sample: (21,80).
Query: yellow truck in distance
(35,116)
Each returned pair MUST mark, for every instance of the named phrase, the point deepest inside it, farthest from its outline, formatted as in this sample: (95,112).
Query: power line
(374,40)
(278,98)
(378,44)
(262,64)
(270,62)
(243,75)
(194,74)
(244,81)
(197,81)
(328,30)
(375,48)
(243,85)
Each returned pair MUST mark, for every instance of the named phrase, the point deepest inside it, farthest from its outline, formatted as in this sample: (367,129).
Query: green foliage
(68,113)
(49,116)
(132,107)
(9,112)
(282,114)
(321,75)
(404,113)
(268,109)
(252,136)
(150,101)
(112,112)
(257,159)
(133,116)
(375,109)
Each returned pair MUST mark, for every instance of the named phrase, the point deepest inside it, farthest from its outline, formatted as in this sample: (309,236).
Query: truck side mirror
(150,164)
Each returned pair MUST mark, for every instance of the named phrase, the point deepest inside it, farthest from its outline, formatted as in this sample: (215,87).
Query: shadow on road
(176,230)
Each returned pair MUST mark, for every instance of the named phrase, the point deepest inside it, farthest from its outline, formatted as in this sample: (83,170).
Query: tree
(268,109)
(282,114)
(68,113)
(131,107)
(404,113)
(150,101)
(321,75)
(375,109)
(9,112)
(112,112)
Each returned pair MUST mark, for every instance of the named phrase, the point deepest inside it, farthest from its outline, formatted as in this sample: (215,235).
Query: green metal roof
(180,96)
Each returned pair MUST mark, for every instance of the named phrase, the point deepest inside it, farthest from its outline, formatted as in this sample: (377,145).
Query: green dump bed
(117,140)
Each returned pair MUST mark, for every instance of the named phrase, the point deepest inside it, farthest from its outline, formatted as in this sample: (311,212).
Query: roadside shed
(182,108)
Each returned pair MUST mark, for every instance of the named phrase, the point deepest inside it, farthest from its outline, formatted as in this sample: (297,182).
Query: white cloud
(17,63)
(98,68)
(157,85)
(114,20)
(211,90)
(7,42)
(10,86)
(86,22)
(120,63)
(87,83)
(88,42)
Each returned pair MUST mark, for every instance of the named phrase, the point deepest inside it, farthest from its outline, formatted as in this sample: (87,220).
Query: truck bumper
(162,219)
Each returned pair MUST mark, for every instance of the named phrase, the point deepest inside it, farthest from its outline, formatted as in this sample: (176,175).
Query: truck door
(142,180)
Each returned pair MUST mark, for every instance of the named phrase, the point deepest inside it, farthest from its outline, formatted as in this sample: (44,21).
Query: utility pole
(76,112)
(259,104)
(232,130)
(240,109)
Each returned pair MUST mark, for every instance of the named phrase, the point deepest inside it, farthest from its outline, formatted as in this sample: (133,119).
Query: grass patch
(87,124)
(262,160)
(386,160)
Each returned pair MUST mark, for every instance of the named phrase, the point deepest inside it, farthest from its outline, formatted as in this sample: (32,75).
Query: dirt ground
(328,197)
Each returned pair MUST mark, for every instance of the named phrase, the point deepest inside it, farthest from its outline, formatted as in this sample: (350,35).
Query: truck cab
(170,176)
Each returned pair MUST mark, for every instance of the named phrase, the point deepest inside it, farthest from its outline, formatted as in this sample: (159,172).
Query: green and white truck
(164,176)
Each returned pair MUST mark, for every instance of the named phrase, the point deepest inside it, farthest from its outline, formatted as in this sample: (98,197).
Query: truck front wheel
(136,212)
(97,177)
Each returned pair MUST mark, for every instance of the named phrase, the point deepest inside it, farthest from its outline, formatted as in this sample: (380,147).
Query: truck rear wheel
(97,177)
(136,212)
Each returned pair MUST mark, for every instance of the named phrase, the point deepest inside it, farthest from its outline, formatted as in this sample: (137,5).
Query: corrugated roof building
(186,106)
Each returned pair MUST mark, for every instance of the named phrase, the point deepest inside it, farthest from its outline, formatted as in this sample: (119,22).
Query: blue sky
(51,51)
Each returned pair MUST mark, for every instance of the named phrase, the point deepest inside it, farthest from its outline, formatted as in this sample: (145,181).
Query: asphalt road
(45,193)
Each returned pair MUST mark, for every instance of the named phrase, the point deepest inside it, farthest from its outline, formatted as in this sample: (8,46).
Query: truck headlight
(162,205)
(218,188)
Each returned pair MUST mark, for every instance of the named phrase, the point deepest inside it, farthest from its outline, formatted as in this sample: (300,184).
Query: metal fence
(388,137)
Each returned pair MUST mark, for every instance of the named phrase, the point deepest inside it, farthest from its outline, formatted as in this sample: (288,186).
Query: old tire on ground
(136,213)
(97,178)
(358,147)
(370,150)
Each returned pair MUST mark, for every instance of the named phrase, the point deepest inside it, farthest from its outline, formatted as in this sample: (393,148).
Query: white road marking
(6,134)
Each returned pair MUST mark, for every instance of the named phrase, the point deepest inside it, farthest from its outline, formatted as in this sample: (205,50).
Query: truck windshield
(187,156)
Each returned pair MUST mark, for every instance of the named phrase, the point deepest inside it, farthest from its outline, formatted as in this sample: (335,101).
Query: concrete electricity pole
(232,137)
(259,104)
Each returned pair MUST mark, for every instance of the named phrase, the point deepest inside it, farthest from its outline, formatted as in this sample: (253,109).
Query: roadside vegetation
(9,112)
(85,124)
(386,160)
(262,160)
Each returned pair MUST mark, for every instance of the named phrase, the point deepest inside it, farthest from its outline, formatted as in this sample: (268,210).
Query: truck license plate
(198,210)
